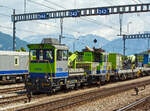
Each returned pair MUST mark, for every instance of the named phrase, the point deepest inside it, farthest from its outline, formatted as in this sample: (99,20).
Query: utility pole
(124,50)
(124,47)
(128,27)
(120,21)
(24,6)
(148,44)
(14,31)
(74,44)
(61,29)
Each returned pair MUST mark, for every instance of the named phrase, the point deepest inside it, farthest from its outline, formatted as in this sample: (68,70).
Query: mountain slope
(132,46)
(6,42)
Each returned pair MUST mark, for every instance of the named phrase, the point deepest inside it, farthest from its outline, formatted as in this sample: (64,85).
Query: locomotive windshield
(42,54)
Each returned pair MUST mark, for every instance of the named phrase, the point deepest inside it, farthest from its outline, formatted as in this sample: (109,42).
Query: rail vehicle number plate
(103,11)
(74,13)
(38,69)
(59,69)
(42,16)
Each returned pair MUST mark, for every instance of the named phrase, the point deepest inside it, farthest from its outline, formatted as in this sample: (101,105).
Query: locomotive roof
(48,46)
(13,53)
(61,47)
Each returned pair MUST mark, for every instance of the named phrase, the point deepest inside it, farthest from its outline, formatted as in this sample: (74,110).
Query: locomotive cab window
(16,61)
(42,54)
(65,55)
(33,54)
(49,54)
(62,55)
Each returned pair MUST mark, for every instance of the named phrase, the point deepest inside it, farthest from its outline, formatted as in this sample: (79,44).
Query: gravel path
(113,102)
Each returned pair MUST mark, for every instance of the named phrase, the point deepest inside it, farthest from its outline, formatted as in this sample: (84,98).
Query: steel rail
(133,104)
(6,90)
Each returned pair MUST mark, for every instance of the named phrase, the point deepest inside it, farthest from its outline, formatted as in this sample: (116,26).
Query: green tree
(22,49)
(70,53)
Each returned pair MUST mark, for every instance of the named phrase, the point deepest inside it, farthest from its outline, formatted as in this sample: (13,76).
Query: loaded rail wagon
(141,60)
(95,64)
(116,61)
(13,65)
(89,61)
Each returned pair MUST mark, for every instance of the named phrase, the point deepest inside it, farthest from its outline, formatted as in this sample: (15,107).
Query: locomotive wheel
(49,93)
(65,88)
(77,85)
(98,84)
(123,77)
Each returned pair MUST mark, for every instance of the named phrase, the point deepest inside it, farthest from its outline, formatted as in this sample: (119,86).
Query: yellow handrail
(50,69)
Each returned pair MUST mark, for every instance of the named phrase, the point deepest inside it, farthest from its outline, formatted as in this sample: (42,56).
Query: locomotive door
(62,63)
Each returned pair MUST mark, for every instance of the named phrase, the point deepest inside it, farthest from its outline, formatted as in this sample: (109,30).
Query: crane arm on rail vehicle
(72,58)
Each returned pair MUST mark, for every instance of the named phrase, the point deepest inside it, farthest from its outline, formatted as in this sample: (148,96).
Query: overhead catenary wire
(87,18)
(53,9)
(54,4)
(134,1)
(6,7)
(50,8)
(41,4)
(10,28)
(6,27)
(2,14)
(6,15)
(37,22)
(137,1)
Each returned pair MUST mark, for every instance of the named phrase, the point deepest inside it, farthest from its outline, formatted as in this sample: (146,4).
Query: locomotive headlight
(37,80)
(46,76)
(28,76)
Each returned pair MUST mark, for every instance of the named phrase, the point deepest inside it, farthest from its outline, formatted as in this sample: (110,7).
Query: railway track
(82,98)
(18,98)
(8,90)
(12,99)
(133,106)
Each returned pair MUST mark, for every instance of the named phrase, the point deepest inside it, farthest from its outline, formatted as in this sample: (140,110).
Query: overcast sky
(105,26)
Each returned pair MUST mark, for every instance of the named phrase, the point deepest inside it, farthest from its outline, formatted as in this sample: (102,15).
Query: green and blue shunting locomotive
(48,68)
